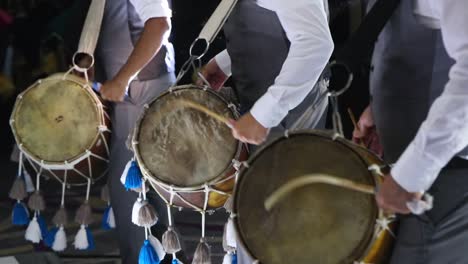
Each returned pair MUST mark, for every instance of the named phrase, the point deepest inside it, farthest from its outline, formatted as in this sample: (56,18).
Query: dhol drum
(186,152)
(61,128)
(319,223)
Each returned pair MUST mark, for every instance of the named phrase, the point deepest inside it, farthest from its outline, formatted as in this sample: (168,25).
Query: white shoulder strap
(91,28)
(217,20)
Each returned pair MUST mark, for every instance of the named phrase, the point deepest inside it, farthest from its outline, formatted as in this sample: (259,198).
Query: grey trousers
(441,235)
(124,116)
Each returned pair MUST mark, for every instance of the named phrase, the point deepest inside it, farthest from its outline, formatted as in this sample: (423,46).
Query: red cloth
(5,19)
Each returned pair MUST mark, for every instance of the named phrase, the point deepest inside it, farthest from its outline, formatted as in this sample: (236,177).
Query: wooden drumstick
(205,110)
(307,179)
(353,120)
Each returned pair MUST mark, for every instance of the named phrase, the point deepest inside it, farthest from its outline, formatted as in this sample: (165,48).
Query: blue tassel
(49,239)
(42,225)
(234,258)
(20,215)
(89,235)
(175,261)
(134,176)
(104,223)
(148,254)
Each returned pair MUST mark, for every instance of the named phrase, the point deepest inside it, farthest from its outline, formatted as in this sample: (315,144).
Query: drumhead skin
(56,120)
(181,146)
(315,224)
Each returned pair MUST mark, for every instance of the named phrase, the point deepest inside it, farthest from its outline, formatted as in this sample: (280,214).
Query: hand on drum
(114,90)
(248,130)
(213,74)
(366,133)
(392,198)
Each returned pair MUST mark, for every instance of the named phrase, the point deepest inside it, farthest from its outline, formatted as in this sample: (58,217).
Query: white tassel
(227,258)
(156,244)
(33,232)
(81,239)
(123,178)
(230,233)
(60,242)
(111,218)
(136,210)
(28,181)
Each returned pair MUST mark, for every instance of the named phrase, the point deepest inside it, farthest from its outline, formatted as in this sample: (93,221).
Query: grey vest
(120,30)
(409,70)
(258,47)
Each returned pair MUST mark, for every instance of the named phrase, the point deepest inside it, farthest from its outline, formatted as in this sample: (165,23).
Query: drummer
(420,109)
(276,52)
(138,58)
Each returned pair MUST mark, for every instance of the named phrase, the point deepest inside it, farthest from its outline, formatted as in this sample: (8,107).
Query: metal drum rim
(89,93)
(156,180)
(319,133)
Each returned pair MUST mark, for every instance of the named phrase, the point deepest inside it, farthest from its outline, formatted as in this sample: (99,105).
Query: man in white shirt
(420,109)
(137,58)
(276,52)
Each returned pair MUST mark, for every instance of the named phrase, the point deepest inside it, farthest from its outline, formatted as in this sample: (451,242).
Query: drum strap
(217,20)
(207,35)
(90,32)
(355,53)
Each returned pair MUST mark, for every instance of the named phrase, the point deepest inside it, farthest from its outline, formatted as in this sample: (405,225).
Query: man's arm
(217,71)
(156,15)
(306,26)
(445,131)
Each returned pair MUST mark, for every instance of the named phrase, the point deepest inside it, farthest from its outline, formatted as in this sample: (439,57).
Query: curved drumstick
(417,207)
(307,179)
(205,110)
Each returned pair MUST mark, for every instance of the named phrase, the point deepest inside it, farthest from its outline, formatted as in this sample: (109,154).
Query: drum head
(56,120)
(182,146)
(315,224)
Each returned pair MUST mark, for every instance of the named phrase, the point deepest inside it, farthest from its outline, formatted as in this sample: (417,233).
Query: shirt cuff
(268,111)
(414,171)
(155,10)
(224,62)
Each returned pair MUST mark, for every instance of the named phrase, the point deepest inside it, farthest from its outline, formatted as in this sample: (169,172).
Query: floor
(12,242)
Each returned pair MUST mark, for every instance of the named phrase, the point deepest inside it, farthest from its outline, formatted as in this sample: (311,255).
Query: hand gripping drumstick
(415,206)
(355,124)
(205,110)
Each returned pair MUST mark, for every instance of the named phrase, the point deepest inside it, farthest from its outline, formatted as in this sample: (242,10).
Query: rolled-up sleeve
(444,133)
(306,26)
(224,62)
(147,9)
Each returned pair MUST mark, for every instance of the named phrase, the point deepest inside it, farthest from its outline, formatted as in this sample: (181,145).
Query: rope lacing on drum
(376,169)
(382,224)
(238,164)
(232,106)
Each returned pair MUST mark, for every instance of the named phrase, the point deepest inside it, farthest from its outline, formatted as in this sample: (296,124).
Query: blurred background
(38,38)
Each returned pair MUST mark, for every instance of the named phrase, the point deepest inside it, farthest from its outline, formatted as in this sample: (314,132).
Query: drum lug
(382,224)
(238,165)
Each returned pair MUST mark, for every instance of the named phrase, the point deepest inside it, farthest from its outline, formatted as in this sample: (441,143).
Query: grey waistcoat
(258,47)
(409,70)
(120,30)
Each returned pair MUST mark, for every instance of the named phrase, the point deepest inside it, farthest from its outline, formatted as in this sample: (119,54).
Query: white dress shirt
(306,25)
(444,133)
(147,9)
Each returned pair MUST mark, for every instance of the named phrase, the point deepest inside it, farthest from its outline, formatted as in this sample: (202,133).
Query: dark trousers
(124,116)
(441,235)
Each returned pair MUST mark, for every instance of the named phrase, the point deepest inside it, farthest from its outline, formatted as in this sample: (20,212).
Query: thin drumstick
(205,110)
(353,120)
(308,179)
